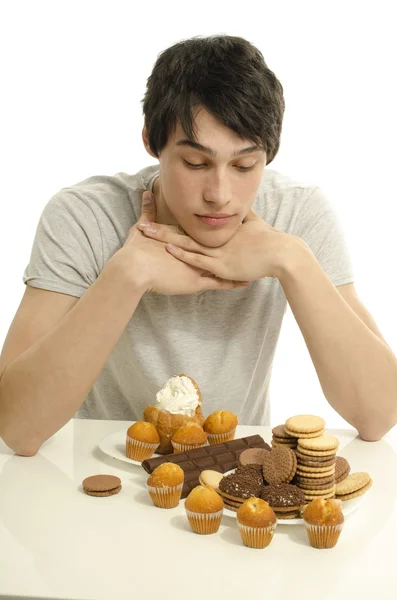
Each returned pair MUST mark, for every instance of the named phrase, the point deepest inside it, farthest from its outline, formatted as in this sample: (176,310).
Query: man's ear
(145,140)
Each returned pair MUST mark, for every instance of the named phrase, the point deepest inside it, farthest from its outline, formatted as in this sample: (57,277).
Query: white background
(73,77)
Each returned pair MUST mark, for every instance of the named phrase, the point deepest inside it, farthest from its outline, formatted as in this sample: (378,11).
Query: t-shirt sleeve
(67,254)
(319,226)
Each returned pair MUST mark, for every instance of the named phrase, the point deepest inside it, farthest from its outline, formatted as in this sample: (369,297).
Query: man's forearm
(44,387)
(356,369)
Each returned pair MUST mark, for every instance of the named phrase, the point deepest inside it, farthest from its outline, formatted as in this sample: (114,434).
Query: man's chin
(212,239)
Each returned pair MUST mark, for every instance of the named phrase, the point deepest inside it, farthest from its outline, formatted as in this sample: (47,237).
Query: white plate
(114,445)
(348,506)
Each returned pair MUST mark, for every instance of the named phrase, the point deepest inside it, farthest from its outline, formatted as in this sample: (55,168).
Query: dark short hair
(226,75)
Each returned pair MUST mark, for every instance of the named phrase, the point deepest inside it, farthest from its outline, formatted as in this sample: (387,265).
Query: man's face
(219,186)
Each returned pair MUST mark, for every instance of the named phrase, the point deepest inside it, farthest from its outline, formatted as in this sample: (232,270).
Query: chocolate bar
(220,457)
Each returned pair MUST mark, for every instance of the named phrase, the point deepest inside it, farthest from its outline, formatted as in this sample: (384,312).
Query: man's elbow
(21,445)
(374,433)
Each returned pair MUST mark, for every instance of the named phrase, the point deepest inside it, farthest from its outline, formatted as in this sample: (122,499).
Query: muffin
(178,401)
(165,485)
(142,441)
(189,436)
(220,426)
(257,523)
(324,522)
(204,509)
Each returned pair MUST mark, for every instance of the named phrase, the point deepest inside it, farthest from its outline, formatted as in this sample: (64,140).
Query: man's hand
(256,250)
(160,272)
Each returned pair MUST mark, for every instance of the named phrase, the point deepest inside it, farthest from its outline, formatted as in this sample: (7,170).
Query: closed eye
(192,166)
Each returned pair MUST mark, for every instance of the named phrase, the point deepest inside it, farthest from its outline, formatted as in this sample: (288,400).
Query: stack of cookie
(281,438)
(315,473)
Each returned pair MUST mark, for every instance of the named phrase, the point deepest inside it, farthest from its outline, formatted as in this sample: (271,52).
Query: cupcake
(142,441)
(165,485)
(220,426)
(204,509)
(257,523)
(324,522)
(189,436)
(178,401)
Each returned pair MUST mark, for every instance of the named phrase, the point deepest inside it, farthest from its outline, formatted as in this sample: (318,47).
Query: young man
(110,312)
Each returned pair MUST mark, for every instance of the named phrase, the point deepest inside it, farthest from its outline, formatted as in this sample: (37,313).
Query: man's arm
(43,385)
(356,368)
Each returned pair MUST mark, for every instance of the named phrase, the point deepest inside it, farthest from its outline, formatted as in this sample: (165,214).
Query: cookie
(318,454)
(311,475)
(244,483)
(342,469)
(210,479)
(359,492)
(302,481)
(323,495)
(315,469)
(353,483)
(304,435)
(291,515)
(252,456)
(312,463)
(279,432)
(102,485)
(283,444)
(316,458)
(323,443)
(284,497)
(319,493)
(279,465)
(305,424)
(281,440)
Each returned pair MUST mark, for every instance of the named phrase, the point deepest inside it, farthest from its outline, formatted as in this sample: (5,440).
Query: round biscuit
(231,499)
(286,509)
(211,479)
(316,469)
(283,445)
(342,476)
(314,481)
(293,515)
(318,492)
(304,423)
(312,463)
(279,465)
(322,443)
(103,494)
(284,440)
(359,492)
(341,466)
(318,453)
(278,431)
(353,483)
(299,434)
(325,496)
(311,475)
(101,483)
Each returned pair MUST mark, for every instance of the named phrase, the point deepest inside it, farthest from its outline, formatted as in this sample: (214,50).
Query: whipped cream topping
(178,396)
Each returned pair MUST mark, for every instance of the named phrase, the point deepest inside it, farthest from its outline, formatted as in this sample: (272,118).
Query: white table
(57,542)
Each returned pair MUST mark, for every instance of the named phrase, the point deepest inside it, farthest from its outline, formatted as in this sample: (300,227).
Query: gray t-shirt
(225,340)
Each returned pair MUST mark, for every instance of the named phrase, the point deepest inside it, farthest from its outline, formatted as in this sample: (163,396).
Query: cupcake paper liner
(257,537)
(183,447)
(204,523)
(323,536)
(220,438)
(140,451)
(166,497)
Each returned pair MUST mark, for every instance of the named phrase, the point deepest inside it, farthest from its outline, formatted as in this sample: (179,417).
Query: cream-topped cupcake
(178,401)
